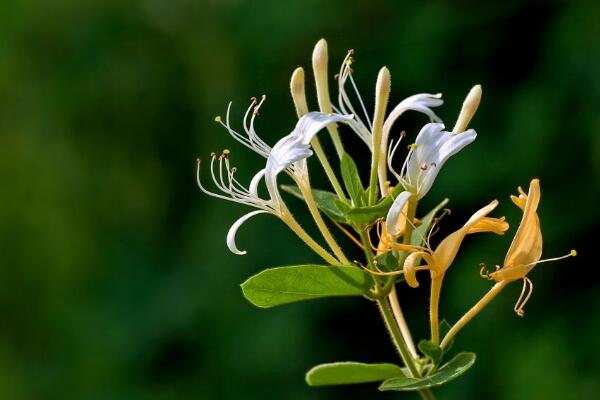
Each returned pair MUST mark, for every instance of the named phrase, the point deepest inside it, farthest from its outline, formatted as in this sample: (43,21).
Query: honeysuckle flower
(294,146)
(289,154)
(420,102)
(525,250)
(439,260)
(432,148)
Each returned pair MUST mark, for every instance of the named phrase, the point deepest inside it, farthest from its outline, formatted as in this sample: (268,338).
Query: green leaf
(421,232)
(387,261)
(369,214)
(449,371)
(431,350)
(281,285)
(352,182)
(349,372)
(326,201)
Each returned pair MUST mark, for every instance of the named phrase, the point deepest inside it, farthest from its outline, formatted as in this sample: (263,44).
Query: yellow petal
(410,267)
(526,248)
(446,251)
(487,224)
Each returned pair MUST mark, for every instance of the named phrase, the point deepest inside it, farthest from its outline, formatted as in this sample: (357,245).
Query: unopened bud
(298,92)
(320,59)
(468,109)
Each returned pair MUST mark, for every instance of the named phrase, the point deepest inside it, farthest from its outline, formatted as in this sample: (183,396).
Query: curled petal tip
(233,231)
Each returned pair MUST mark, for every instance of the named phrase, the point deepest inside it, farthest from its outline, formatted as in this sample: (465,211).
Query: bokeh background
(115,281)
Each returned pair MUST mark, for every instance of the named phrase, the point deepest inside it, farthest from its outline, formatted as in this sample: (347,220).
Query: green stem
(489,296)
(393,322)
(397,339)
(401,347)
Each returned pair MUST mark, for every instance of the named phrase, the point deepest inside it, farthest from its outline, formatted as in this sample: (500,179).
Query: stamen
(572,253)
(218,119)
(350,236)
(391,152)
(523,299)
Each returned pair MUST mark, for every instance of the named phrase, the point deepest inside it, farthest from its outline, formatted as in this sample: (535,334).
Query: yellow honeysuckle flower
(439,261)
(525,250)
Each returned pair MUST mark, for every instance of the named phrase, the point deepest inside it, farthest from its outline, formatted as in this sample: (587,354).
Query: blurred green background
(115,279)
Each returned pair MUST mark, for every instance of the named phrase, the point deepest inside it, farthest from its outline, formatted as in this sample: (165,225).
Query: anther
(233,170)
(484,272)
(423,167)
(402,134)
(212,154)
(218,119)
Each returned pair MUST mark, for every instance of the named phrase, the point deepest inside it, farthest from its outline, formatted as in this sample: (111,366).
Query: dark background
(115,281)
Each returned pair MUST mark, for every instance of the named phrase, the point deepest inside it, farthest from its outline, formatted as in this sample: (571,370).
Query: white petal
(234,228)
(311,123)
(393,216)
(423,102)
(253,188)
(434,147)
(296,146)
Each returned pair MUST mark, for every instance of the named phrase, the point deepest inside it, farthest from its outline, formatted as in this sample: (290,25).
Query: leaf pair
(394,377)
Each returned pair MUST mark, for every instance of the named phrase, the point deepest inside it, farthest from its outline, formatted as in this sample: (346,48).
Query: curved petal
(410,268)
(423,102)
(253,188)
(234,228)
(526,247)
(395,212)
(448,248)
(311,123)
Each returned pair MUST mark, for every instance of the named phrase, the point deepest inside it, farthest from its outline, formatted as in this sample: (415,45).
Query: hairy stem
(401,347)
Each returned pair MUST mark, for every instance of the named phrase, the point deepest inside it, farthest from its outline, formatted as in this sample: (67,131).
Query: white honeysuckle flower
(432,148)
(306,128)
(395,212)
(288,154)
(420,102)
